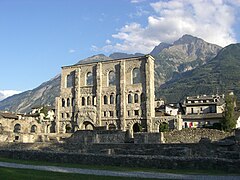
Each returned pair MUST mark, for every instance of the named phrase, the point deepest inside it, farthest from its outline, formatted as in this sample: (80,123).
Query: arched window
(63,102)
(33,129)
(17,128)
(111,99)
(129,98)
(88,100)
(83,101)
(105,99)
(136,78)
(68,102)
(94,100)
(70,80)
(89,79)
(111,78)
(136,99)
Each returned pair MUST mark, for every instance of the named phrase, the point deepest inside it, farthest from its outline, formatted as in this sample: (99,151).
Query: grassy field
(24,174)
(118,168)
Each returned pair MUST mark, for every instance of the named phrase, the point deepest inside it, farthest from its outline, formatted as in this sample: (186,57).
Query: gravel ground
(118,173)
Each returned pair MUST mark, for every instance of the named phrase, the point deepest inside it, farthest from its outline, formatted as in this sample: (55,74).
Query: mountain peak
(187,39)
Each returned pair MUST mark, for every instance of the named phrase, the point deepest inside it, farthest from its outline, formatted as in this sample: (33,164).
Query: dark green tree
(229,121)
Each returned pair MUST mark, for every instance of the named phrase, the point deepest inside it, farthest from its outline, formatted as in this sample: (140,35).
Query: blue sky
(38,37)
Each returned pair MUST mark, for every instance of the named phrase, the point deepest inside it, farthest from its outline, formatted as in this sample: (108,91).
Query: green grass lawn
(118,168)
(26,174)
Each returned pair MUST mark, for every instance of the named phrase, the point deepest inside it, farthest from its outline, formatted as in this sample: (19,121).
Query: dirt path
(118,173)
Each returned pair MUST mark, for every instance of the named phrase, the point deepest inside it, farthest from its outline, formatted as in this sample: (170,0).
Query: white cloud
(108,41)
(6,93)
(211,20)
(72,51)
(137,1)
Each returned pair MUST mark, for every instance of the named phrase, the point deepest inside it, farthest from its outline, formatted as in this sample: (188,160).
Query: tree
(229,121)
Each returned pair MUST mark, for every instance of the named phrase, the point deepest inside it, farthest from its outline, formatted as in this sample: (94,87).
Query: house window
(89,79)
(111,99)
(136,76)
(105,99)
(111,78)
(62,115)
(129,98)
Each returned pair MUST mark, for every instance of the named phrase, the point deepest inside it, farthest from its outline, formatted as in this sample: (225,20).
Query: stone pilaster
(122,96)
(99,93)
(150,96)
(58,116)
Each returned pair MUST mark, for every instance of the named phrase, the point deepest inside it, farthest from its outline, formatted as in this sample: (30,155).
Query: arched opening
(111,99)
(105,99)
(89,79)
(94,101)
(129,98)
(70,80)
(68,128)
(33,129)
(137,127)
(88,100)
(136,99)
(136,78)
(163,127)
(63,102)
(111,78)
(112,127)
(17,128)
(68,102)
(88,126)
(83,101)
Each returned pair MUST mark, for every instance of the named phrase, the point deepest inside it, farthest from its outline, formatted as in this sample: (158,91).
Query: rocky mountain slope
(171,61)
(217,76)
(183,55)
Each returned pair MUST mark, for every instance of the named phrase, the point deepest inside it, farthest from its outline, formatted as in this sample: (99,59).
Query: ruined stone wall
(192,135)
(158,162)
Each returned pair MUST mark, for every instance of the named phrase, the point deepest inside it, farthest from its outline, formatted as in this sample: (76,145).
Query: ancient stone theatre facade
(116,94)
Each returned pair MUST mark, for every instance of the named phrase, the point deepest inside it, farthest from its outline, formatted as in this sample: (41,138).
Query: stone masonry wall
(191,135)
